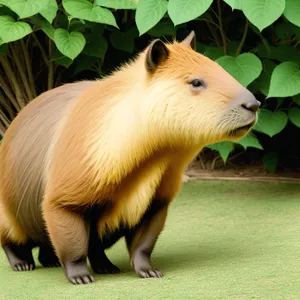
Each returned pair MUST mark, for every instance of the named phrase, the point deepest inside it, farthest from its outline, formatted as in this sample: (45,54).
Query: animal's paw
(23,266)
(52,265)
(84,279)
(107,269)
(150,273)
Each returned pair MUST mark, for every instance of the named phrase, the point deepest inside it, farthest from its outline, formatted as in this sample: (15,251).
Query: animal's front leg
(141,241)
(69,235)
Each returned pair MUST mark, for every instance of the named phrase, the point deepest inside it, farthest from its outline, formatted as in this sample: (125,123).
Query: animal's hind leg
(97,257)
(47,257)
(19,255)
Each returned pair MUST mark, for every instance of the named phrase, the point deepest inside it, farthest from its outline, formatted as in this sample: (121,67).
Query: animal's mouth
(242,129)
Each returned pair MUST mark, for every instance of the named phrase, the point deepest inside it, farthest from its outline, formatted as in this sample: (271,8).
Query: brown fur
(119,144)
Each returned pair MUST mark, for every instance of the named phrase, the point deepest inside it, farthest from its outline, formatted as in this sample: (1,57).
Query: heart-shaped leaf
(250,141)
(245,68)
(262,13)
(294,115)
(83,9)
(224,148)
(25,8)
(297,99)
(44,25)
(96,45)
(10,30)
(118,4)
(212,52)
(292,11)
(123,40)
(182,11)
(235,4)
(3,49)
(49,12)
(69,44)
(163,29)
(149,13)
(262,83)
(285,80)
(271,123)
(271,161)
(61,59)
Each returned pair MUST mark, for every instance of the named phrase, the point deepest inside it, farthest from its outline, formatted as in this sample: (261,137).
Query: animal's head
(193,99)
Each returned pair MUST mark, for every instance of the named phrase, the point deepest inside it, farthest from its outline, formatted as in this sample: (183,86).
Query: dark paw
(150,273)
(23,266)
(85,279)
(111,269)
(52,265)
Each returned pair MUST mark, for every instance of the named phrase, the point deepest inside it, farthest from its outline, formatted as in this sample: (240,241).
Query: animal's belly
(132,199)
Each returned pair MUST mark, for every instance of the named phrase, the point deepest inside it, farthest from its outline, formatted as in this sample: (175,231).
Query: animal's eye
(196,83)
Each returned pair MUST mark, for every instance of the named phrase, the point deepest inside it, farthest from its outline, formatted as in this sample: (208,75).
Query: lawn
(222,240)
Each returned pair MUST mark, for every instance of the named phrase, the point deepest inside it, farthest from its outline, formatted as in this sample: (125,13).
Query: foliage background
(45,43)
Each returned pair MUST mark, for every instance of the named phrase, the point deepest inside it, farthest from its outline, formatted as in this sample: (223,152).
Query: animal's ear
(190,40)
(157,53)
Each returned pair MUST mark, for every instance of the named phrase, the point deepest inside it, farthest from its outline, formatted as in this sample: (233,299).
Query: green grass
(222,241)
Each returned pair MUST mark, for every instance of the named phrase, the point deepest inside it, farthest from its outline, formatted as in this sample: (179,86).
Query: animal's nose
(248,101)
(252,105)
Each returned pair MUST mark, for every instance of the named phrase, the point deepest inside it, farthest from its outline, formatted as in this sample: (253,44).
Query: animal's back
(25,150)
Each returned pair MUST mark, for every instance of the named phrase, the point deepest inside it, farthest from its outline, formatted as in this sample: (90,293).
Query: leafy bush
(45,43)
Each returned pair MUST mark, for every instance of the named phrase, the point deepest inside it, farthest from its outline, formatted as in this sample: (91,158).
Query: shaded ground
(223,240)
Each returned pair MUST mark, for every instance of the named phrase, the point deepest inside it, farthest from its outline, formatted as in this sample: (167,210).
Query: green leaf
(84,62)
(292,11)
(271,123)
(224,148)
(69,44)
(294,115)
(49,12)
(250,141)
(284,30)
(235,4)
(270,161)
(25,8)
(262,83)
(3,49)
(211,52)
(96,45)
(149,13)
(182,11)
(118,4)
(245,68)
(285,80)
(163,29)
(83,9)
(10,30)
(297,99)
(123,41)
(60,59)
(263,13)
(44,25)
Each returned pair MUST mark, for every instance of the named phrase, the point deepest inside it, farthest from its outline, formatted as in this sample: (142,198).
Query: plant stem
(43,52)
(21,70)
(239,50)
(50,66)
(8,92)
(216,39)
(11,76)
(29,68)
(2,129)
(221,27)
(4,119)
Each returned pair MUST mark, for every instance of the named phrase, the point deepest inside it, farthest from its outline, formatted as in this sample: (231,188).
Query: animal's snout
(248,101)
(252,105)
